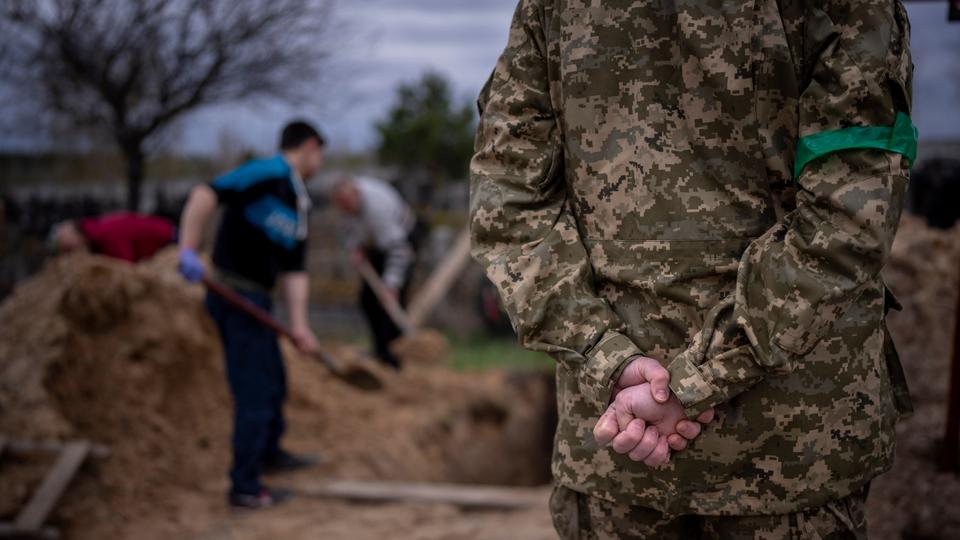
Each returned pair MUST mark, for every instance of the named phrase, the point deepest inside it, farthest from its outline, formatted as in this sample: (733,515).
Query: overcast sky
(390,41)
(397,40)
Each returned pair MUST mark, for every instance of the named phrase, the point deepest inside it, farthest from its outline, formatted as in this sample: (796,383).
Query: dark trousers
(259,387)
(577,516)
(382,327)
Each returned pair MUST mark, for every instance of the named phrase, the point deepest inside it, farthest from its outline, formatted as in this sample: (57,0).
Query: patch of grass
(483,352)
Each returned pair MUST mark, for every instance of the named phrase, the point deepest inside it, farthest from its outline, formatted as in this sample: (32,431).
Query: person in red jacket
(122,235)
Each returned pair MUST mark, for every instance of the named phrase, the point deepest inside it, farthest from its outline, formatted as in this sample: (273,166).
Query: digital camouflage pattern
(632,193)
(581,517)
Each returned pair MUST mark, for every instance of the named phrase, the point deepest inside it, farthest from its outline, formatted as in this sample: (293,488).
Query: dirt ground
(125,356)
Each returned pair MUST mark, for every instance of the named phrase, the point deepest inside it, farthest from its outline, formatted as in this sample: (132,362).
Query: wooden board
(440,281)
(15,447)
(7,530)
(464,495)
(35,513)
(3,444)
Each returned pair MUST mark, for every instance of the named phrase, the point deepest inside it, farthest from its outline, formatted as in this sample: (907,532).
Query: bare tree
(129,68)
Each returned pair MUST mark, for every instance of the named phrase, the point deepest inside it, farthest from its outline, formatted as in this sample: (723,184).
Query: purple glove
(191,267)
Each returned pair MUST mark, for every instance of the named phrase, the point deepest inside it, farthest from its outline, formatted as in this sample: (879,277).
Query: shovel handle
(246,306)
(389,303)
(258,313)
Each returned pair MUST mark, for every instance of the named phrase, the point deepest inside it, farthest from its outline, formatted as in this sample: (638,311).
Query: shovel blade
(359,378)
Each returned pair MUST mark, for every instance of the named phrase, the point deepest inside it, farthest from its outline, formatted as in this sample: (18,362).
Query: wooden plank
(7,530)
(471,496)
(440,281)
(32,447)
(33,515)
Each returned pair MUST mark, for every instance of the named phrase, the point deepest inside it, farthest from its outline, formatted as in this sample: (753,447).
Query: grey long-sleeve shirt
(384,222)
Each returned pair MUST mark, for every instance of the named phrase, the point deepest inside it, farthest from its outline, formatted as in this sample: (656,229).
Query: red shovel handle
(261,315)
(246,306)
(355,375)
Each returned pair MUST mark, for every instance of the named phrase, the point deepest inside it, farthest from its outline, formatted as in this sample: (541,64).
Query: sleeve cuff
(393,281)
(604,363)
(700,387)
(219,192)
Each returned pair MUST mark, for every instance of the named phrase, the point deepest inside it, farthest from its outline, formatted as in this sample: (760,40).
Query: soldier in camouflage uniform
(715,184)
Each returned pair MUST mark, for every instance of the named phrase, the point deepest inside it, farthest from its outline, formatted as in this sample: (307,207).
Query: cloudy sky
(391,41)
(397,40)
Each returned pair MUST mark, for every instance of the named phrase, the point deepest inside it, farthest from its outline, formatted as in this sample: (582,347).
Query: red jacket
(127,236)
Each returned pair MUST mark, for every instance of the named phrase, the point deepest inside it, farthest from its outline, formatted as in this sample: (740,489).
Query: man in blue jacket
(261,240)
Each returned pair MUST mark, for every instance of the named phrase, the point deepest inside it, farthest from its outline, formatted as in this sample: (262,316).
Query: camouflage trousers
(581,517)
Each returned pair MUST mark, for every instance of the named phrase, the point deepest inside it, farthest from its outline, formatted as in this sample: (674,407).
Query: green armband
(901,139)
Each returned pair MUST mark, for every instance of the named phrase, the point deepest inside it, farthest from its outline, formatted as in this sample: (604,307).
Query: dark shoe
(287,462)
(266,499)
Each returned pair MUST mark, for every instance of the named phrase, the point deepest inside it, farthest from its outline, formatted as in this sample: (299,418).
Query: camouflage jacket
(633,192)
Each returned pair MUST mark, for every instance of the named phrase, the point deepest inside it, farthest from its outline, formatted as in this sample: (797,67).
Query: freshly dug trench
(493,442)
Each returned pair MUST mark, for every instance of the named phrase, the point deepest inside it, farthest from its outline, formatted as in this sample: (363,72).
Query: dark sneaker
(265,499)
(287,462)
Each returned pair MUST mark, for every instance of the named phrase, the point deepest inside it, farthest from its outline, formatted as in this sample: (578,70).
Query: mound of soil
(104,350)
(424,348)
(126,356)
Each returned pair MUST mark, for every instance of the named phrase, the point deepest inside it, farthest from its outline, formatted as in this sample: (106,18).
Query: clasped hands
(645,420)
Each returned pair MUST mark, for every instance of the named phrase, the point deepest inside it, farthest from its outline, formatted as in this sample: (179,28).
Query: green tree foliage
(427,132)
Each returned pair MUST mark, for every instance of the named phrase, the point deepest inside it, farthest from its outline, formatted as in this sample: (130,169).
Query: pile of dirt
(111,352)
(915,500)
(424,348)
(126,356)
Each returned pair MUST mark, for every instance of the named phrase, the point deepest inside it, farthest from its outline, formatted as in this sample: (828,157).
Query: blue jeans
(259,387)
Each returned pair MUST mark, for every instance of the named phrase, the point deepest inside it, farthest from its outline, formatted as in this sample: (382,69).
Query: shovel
(354,375)
(390,304)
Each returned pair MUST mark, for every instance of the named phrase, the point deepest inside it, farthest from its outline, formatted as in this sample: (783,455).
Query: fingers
(659,379)
(647,370)
(606,428)
(647,444)
(632,374)
(624,416)
(307,346)
(660,455)
(629,438)
(689,430)
(677,442)
(706,416)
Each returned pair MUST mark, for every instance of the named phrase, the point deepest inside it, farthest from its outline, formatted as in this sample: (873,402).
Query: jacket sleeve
(802,275)
(294,260)
(522,230)
(399,263)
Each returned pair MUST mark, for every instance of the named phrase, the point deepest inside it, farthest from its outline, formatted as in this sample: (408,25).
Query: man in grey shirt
(380,227)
